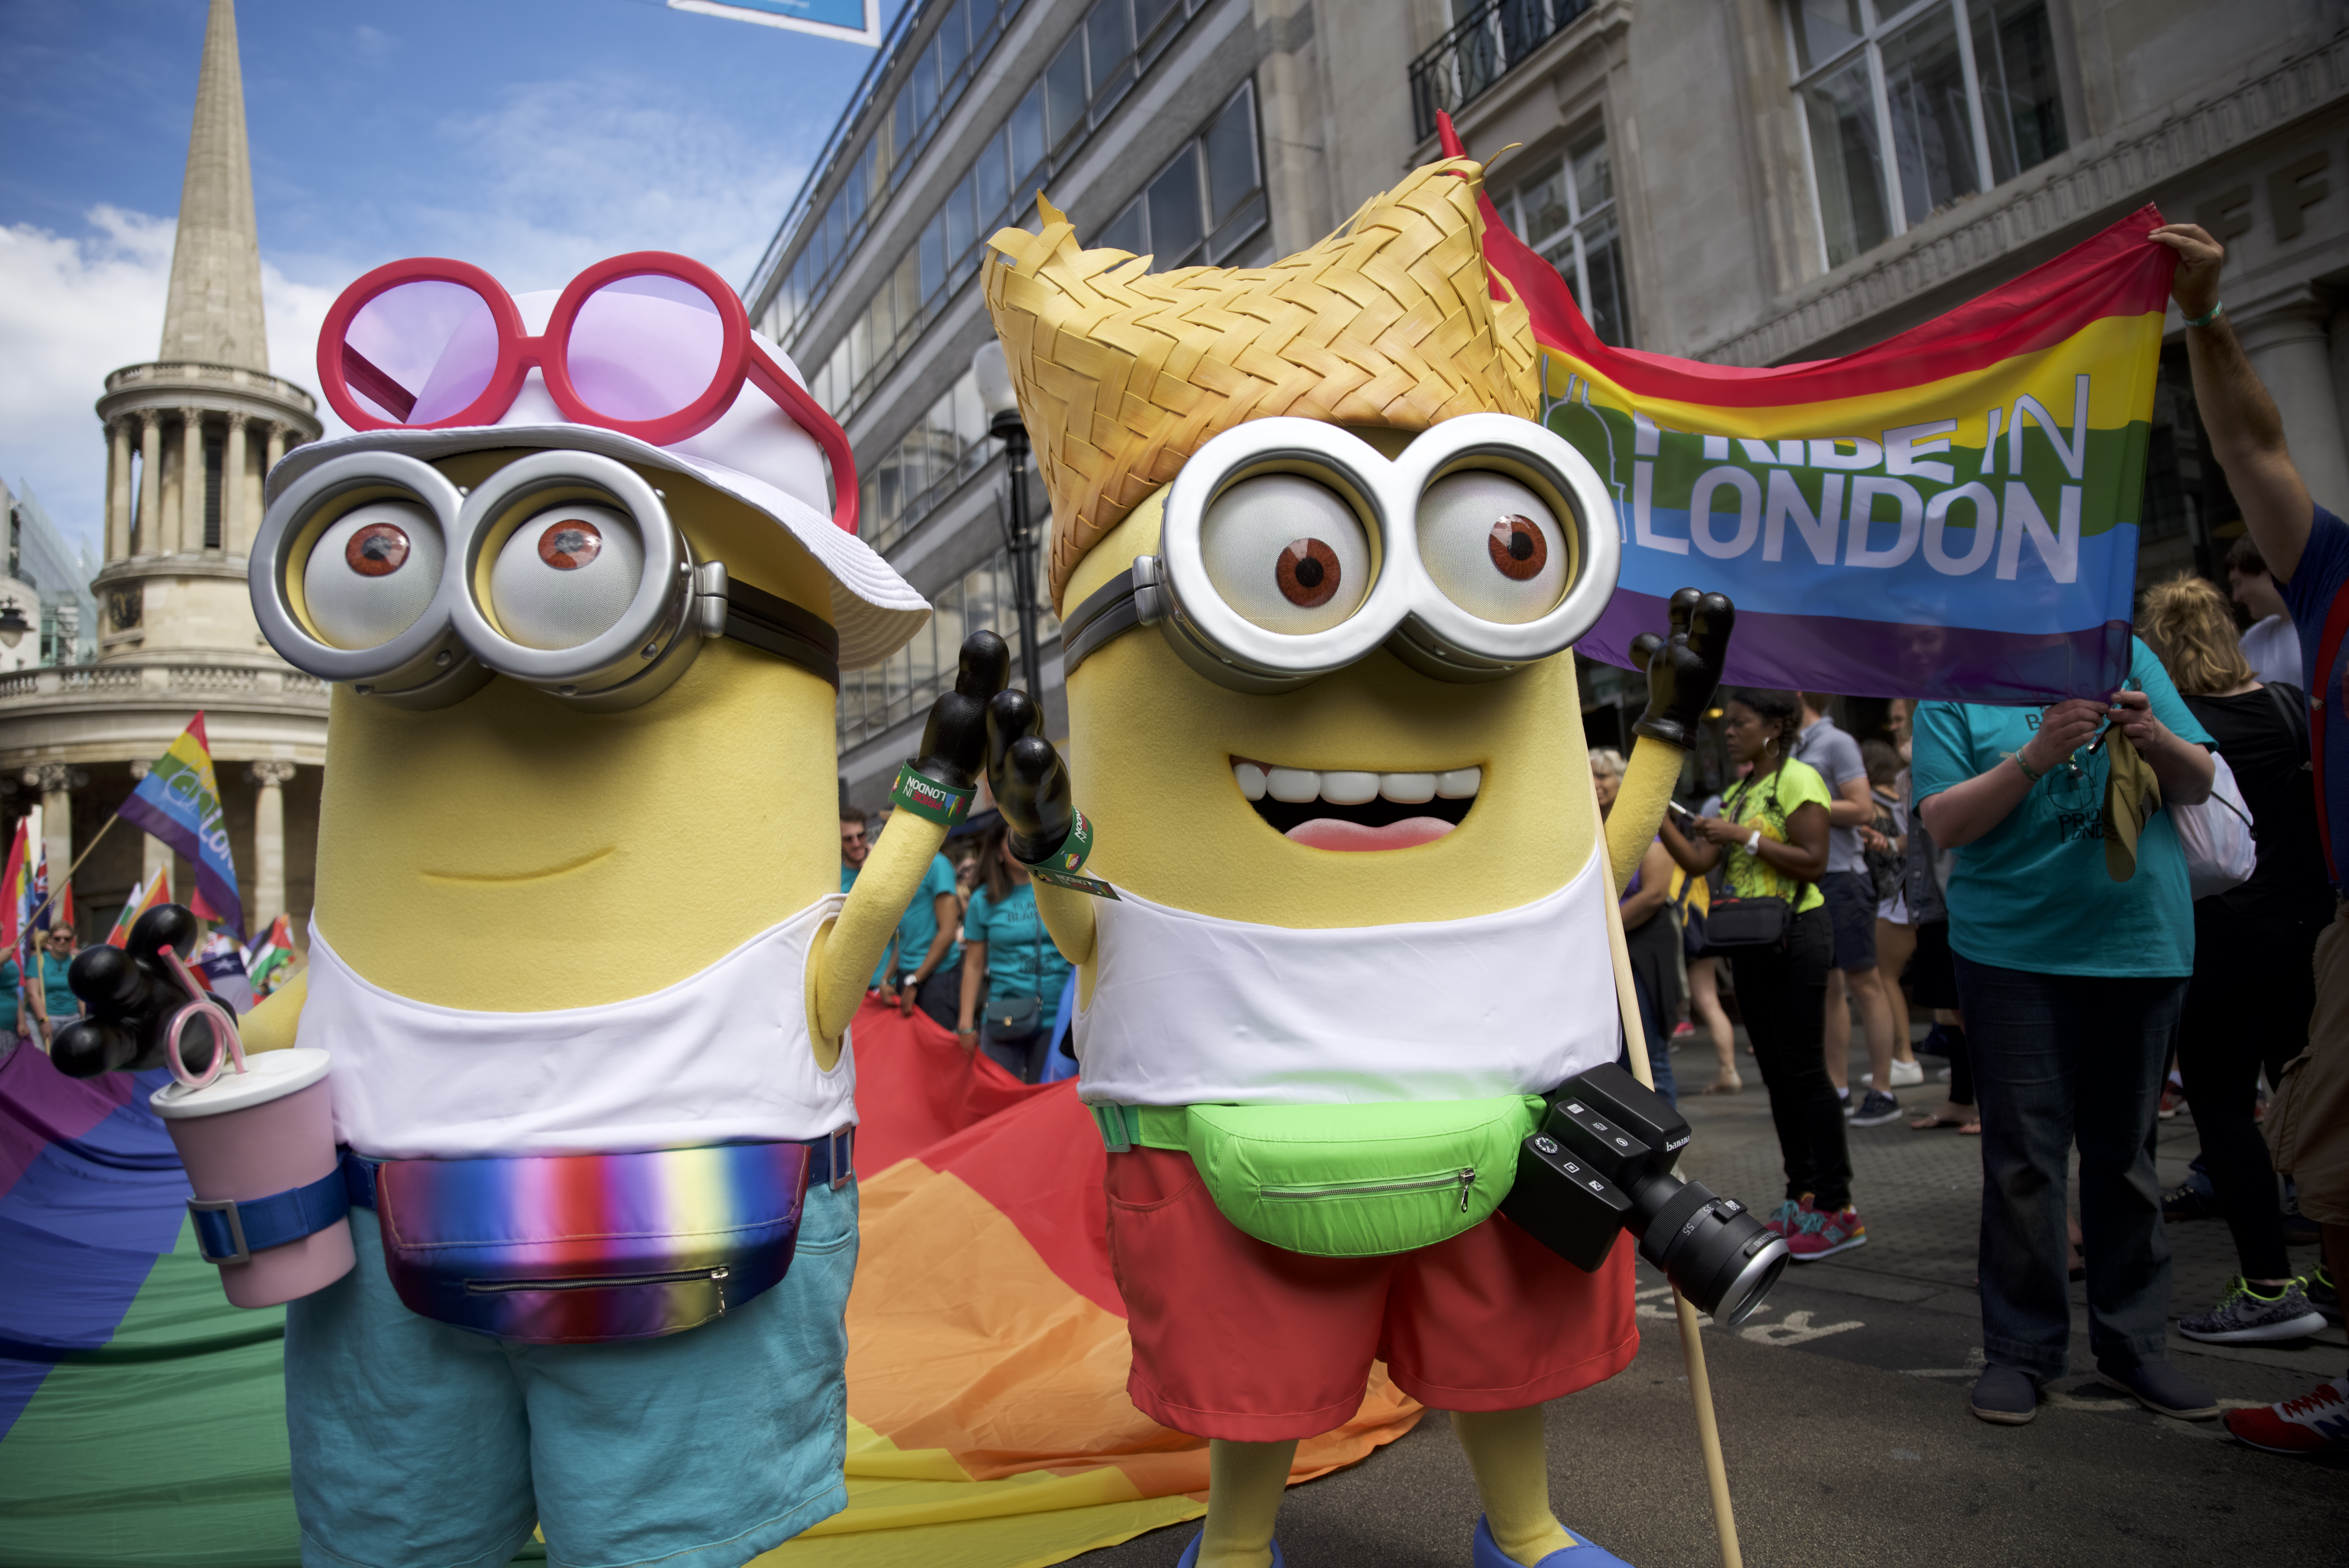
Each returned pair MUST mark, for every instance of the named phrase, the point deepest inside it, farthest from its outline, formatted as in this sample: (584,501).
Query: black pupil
(1521,544)
(1308,573)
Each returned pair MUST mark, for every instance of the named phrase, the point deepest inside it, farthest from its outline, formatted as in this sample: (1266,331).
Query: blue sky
(533,137)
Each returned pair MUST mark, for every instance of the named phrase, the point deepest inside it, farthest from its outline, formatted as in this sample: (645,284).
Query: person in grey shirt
(1851,908)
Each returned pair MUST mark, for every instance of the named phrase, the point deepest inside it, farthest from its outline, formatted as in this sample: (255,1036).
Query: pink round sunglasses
(650,345)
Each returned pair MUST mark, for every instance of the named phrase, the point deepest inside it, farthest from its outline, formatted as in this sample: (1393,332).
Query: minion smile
(1348,809)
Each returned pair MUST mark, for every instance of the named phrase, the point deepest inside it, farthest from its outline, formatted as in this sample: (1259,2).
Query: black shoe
(2187,1202)
(2161,1389)
(2300,1231)
(2005,1396)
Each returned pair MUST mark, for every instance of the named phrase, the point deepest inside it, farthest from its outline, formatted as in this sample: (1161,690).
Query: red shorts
(1236,1339)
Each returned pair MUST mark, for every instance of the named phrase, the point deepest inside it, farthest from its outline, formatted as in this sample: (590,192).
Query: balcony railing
(1489,42)
(142,679)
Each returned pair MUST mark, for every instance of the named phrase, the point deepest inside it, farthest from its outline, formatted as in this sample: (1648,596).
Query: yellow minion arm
(1647,781)
(845,955)
(271,1025)
(1068,916)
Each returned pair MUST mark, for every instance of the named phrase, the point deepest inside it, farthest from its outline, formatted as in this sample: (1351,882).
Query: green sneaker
(2249,1314)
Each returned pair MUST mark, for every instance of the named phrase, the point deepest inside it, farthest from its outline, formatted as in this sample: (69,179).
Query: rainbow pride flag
(142,1417)
(143,898)
(179,801)
(1951,513)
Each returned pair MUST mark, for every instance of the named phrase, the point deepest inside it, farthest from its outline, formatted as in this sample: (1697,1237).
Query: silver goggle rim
(1404,608)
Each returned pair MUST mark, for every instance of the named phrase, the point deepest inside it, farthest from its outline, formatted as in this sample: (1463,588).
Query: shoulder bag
(1736,925)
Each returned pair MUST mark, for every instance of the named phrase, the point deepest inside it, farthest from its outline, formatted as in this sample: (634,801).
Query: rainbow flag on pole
(141,900)
(179,801)
(1951,513)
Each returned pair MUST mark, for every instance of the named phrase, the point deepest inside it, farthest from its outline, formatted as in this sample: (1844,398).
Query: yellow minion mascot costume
(578,958)
(1346,915)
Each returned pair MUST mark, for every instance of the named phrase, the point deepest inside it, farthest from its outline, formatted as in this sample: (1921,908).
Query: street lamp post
(1003,422)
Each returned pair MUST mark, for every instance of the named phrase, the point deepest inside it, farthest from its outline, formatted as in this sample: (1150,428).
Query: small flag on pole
(220,962)
(16,886)
(178,803)
(272,957)
(143,899)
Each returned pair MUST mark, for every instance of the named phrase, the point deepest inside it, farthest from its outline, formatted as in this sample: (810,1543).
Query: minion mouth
(1338,809)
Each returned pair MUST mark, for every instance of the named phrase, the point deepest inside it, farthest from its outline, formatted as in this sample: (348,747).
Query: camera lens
(1719,1255)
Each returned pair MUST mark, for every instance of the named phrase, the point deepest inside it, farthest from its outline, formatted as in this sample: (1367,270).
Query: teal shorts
(416,1443)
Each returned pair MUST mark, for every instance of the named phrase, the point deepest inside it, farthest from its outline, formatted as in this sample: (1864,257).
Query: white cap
(267,1076)
(755,453)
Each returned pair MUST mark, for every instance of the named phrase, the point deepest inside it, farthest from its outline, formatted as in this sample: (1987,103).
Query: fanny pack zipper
(677,1277)
(1464,1179)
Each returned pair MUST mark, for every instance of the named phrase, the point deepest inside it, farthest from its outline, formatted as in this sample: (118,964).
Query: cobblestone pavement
(1843,1410)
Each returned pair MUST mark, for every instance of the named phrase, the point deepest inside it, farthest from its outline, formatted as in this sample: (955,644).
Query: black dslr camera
(1602,1163)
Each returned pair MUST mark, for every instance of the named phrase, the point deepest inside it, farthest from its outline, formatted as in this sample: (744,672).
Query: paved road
(1844,1414)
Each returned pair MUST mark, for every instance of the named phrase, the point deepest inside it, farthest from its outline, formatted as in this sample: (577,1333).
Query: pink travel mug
(264,1129)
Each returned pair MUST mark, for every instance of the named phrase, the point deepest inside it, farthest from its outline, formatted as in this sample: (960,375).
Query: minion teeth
(1355,810)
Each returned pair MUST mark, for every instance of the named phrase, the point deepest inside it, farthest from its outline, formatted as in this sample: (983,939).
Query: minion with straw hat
(1335,883)
(583,582)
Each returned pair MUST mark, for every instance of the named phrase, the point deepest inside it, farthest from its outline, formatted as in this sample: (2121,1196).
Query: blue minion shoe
(1190,1558)
(1586,1555)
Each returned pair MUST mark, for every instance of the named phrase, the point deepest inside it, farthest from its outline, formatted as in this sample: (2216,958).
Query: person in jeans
(2254,948)
(2307,549)
(1771,840)
(1851,914)
(2072,984)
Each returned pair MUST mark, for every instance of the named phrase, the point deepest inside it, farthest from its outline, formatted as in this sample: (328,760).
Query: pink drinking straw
(199,1004)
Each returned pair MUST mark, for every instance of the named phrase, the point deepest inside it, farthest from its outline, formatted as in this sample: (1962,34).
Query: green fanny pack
(1343,1180)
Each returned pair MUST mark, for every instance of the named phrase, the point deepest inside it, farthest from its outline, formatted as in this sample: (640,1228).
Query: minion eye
(372,574)
(1494,546)
(565,575)
(1286,553)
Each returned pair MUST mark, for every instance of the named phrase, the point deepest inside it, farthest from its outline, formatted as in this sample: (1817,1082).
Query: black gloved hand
(954,741)
(1031,785)
(128,996)
(1684,670)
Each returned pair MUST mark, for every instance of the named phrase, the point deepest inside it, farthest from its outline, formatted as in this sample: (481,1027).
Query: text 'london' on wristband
(929,800)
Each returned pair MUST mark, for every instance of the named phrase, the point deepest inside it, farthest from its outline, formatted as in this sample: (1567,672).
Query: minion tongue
(1336,834)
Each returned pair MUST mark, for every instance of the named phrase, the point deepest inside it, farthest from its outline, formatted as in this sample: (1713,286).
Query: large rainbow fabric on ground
(142,1417)
(1951,513)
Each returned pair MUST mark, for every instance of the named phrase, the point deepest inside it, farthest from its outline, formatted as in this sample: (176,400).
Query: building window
(945,446)
(1913,109)
(1206,202)
(1566,212)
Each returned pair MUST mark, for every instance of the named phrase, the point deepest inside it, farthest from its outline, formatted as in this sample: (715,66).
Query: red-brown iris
(378,550)
(1518,549)
(570,544)
(1307,573)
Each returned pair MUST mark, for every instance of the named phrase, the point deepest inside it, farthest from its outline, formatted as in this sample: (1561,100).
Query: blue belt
(231,1230)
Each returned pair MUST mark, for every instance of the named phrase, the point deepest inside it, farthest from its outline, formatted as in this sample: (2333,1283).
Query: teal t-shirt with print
(1020,958)
(2032,893)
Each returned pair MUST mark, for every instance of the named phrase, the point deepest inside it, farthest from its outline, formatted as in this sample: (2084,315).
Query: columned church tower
(188,440)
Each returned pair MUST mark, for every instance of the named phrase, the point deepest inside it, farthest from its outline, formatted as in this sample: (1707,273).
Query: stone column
(154,854)
(56,781)
(117,487)
(268,843)
(150,480)
(274,450)
(189,531)
(233,528)
(2292,353)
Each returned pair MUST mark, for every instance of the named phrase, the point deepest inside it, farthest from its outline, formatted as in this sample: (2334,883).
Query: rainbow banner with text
(1951,513)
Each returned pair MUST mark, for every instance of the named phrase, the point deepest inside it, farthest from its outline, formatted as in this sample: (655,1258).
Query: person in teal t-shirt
(925,962)
(20,1016)
(2073,984)
(1004,939)
(59,1003)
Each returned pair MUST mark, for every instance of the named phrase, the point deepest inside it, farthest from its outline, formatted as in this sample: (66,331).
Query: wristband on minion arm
(929,800)
(1061,867)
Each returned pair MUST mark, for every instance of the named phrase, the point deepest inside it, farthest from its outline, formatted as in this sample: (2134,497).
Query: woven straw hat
(1123,373)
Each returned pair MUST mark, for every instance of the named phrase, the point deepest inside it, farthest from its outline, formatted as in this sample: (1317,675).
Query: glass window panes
(1064,91)
(954,42)
(1129,230)
(1847,160)
(1901,124)
(960,225)
(1108,43)
(1593,175)
(1027,140)
(991,181)
(1149,16)
(1176,225)
(1566,212)
(1232,166)
(2014,57)
(1542,206)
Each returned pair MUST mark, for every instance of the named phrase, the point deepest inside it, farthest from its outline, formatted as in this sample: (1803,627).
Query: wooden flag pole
(54,893)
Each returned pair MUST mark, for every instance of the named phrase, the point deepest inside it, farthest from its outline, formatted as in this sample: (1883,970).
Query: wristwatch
(1754,843)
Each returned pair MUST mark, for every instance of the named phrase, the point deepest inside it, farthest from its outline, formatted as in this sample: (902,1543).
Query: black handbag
(1014,1020)
(1736,925)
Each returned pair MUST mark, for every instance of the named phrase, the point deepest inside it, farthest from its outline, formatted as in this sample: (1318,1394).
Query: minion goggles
(563,570)
(1450,549)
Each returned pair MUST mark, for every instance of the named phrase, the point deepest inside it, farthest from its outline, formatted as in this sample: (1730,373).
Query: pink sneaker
(1817,1232)
(2315,1423)
(1781,1219)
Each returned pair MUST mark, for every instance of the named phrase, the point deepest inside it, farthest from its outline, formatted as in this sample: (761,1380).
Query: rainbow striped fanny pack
(583,1249)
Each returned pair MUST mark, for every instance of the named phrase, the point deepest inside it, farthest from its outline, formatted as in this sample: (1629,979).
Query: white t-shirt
(2272,646)
(1187,1009)
(721,1057)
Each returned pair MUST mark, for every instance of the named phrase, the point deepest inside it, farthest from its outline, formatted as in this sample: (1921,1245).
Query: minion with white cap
(578,952)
